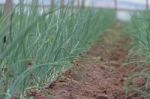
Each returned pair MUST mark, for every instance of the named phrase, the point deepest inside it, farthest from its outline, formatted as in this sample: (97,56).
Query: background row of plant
(35,48)
(139,30)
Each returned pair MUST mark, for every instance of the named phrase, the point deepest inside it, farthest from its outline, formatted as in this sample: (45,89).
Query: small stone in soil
(138,81)
(102,97)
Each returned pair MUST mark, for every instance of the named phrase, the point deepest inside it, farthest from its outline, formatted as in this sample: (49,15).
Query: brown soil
(98,74)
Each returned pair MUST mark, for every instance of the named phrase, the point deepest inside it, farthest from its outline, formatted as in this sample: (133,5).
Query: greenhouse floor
(99,73)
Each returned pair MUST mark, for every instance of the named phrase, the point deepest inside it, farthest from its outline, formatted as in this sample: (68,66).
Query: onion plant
(42,45)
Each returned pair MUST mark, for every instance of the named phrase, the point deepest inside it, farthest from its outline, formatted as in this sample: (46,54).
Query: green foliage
(40,46)
(139,28)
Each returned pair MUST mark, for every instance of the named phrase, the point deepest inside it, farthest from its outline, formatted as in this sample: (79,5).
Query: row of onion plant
(37,46)
(139,30)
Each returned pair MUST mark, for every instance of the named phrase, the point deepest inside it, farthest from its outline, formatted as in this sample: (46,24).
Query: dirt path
(98,74)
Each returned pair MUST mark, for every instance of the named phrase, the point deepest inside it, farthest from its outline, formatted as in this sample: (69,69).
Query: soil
(98,74)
